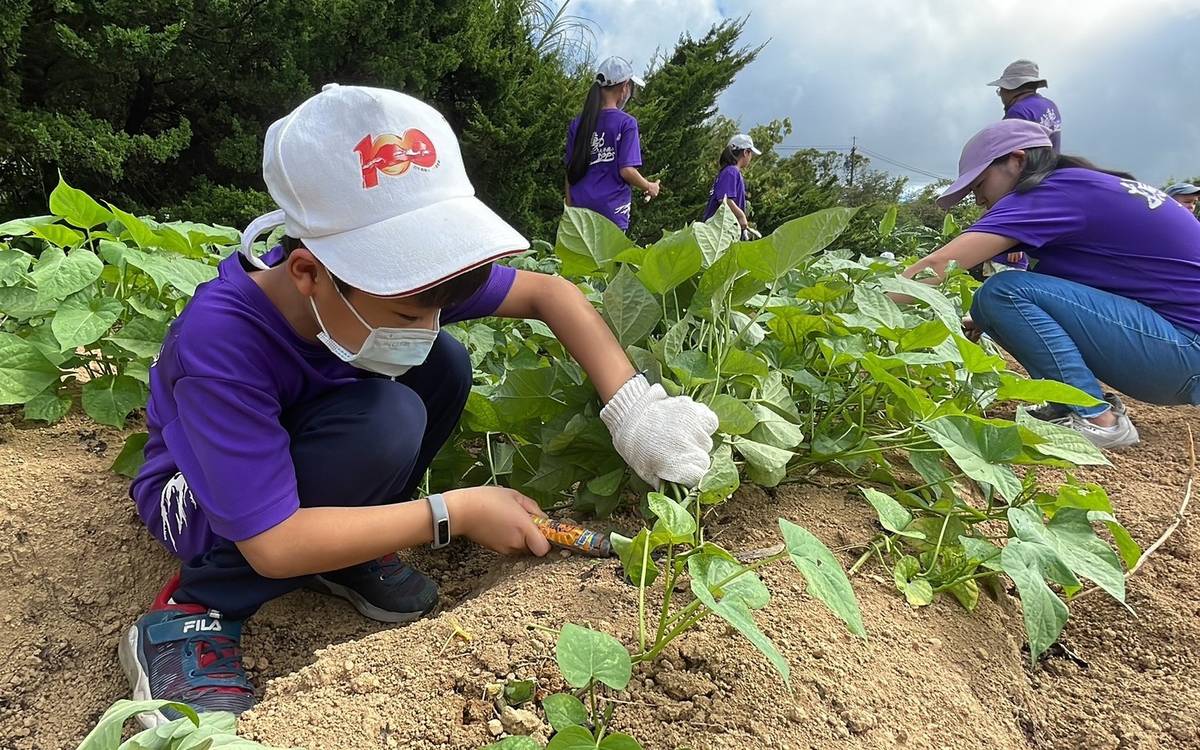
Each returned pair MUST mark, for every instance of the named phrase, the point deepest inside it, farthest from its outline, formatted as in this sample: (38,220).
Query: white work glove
(662,438)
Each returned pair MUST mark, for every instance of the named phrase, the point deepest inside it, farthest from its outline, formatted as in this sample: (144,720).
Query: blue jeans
(366,443)
(1064,331)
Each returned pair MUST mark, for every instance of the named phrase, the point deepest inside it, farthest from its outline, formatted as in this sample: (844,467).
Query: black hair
(1042,161)
(581,149)
(730,156)
(451,292)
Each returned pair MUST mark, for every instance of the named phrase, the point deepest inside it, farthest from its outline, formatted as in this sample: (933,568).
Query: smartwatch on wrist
(441,521)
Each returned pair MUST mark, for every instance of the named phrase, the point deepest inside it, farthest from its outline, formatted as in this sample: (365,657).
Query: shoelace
(389,566)
(217,657)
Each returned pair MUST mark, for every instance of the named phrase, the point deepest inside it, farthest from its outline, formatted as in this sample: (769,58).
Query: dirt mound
(78,568)
(712,691)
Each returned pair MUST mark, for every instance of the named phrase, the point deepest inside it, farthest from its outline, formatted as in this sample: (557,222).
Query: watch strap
(441,521)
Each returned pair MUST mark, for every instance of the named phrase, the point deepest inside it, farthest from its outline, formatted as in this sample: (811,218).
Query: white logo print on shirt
(1154,197)
(176,503)
(600,152)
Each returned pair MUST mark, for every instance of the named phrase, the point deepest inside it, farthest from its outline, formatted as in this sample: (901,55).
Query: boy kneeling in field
(300,397)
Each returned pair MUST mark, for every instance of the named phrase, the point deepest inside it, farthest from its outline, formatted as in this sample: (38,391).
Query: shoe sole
(364,607)
(128,649)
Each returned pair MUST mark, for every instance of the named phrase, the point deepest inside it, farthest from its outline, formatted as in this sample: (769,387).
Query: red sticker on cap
(394,155)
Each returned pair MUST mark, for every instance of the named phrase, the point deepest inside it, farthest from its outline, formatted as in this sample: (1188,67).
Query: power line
(901,165)
(856,146)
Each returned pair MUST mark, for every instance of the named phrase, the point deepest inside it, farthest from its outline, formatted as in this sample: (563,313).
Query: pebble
(520,721)
(495,728)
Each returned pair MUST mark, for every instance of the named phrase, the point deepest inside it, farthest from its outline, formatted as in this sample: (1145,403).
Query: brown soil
(78,568)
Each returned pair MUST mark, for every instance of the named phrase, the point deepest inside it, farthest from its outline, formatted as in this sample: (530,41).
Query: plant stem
(487,440)
(872,546)
(642,596)
(964,579)
(668,589)
(937,550)
(595,711)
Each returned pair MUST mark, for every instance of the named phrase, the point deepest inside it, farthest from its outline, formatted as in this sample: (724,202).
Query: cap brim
(755,151)
(1009,84)
(416,251)
(958,190)
(638,82)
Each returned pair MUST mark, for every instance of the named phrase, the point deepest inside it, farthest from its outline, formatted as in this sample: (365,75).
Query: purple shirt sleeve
(629,147)
(730,185)
(229,443)
(486,300)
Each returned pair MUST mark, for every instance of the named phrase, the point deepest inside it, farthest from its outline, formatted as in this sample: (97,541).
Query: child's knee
(996,293)
(449,356)
(389,427)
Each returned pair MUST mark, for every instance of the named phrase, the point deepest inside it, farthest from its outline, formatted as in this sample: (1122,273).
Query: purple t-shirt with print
(1039,109)
(1118,235)
(729,184)
(231,364)
(615,145)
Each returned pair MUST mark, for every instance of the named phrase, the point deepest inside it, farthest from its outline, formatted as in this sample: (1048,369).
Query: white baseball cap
(616,70)
(372,181)
(741,141)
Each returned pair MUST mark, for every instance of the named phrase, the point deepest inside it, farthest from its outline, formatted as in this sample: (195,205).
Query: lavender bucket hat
(996,140)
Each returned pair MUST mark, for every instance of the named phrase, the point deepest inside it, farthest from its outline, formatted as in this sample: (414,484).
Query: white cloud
(907,78)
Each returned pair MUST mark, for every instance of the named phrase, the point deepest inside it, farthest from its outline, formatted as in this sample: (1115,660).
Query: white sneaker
(1121,435)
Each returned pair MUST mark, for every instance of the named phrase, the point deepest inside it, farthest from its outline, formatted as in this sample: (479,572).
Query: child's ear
(304,270)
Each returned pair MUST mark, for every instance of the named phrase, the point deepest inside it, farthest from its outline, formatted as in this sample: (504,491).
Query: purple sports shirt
(1118,235)
(729,184)
(615,145)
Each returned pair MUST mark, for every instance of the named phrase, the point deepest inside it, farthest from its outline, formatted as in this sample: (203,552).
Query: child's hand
(497,518)
(970,330)
(652,189)
(662,438)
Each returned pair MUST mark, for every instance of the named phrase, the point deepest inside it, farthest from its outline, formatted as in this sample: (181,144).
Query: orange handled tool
(575,538)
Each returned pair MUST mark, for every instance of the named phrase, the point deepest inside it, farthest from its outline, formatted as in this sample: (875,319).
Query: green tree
(162,105)
(676,116)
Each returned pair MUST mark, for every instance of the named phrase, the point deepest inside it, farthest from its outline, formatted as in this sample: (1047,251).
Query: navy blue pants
(366,443)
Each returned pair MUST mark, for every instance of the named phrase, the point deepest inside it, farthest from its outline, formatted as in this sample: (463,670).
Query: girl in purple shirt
(730,187)
(1114,290)
(603,164)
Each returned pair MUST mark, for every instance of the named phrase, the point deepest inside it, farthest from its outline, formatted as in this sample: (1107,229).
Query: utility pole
(853,151)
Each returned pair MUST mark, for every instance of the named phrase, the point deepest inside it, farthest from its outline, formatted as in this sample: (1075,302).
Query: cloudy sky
(907,78)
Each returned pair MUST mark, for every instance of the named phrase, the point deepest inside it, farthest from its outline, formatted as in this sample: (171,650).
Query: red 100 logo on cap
(393,155)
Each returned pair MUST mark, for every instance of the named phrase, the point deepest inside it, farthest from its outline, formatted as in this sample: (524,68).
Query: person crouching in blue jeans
(1114,292)
(300,397)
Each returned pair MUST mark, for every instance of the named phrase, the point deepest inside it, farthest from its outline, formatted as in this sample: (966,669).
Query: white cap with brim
(996,140)
(1019,73)
(1182,188)
(741,142)
(616,70)
(372,181)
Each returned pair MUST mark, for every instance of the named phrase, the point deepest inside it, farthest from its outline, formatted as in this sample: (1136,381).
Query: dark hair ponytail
(581,149)
(1041,162)
(730,156)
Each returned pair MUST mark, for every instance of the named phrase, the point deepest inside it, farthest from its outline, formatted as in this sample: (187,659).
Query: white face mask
(387,351)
